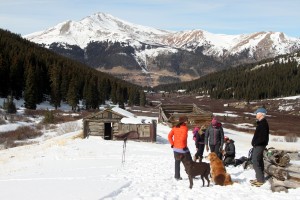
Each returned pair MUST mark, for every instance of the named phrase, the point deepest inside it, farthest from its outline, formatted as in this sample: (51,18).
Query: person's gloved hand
(172,146)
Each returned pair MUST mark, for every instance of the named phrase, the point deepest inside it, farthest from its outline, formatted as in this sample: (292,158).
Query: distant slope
(155,56)
(265,79)
(37,74)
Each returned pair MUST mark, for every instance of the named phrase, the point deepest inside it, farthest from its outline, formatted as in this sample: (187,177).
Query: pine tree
(72,95)
(55,82)
(142,98)
(30,91)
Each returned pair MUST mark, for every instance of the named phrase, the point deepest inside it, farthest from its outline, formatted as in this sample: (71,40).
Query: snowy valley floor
(70,168)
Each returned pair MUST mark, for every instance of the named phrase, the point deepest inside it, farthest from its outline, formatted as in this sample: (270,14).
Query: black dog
(195,169)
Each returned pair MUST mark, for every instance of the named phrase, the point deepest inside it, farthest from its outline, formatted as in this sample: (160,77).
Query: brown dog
(195,169)
(218,171)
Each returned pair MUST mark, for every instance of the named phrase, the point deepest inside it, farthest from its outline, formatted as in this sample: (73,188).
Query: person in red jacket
(178,140)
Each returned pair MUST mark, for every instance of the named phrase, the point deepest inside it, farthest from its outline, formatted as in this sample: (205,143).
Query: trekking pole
(124,150)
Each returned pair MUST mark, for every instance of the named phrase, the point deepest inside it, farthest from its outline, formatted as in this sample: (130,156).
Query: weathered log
(277,157)
(285,183)
(277,172)
(293,168)
(279,189)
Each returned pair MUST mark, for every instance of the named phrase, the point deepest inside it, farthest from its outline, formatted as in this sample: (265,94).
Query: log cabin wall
(170,113)
(107,124)
(104,124)
(145,132)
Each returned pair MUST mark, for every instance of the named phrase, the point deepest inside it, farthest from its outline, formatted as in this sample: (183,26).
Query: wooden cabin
(170,113)
(116,123)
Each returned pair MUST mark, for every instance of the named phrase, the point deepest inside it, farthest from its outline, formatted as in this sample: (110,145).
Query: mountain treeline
(275,77)
(37,74)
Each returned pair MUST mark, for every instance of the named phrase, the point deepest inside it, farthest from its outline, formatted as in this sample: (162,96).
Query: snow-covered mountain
(155,56)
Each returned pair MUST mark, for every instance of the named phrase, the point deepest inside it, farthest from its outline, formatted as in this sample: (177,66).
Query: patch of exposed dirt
(283,114)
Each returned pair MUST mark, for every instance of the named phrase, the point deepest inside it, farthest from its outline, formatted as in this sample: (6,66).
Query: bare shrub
(278,139)
(48,117)
(21,133)
(30,112)
(291,137)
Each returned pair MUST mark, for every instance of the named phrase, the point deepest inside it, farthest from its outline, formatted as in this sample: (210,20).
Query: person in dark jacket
(229,151)
(214,137)
(200,143)
(259,142)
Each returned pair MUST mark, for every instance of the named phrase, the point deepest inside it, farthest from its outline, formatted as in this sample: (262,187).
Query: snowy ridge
(289,58)
(97,27)
(105,27)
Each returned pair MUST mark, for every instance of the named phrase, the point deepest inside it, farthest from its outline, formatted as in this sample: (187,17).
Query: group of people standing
(212,138)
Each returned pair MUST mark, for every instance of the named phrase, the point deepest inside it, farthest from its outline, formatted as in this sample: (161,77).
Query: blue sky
(216,16)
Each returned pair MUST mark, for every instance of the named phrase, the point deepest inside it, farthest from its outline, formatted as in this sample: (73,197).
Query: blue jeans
(177,162)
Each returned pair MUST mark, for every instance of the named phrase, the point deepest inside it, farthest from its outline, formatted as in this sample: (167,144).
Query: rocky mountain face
(149,57)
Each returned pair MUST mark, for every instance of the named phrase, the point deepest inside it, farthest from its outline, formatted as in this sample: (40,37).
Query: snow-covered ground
(69,168)
(63,166)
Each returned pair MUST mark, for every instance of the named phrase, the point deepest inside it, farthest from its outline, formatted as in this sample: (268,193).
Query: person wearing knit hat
(214,137)
(259,142)
(229,151)
(178,141)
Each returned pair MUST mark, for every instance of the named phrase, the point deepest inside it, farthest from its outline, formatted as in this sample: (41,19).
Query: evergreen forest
(272,78)
(36,74)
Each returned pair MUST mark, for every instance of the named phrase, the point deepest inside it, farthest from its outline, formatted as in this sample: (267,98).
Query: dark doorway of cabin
(107,131)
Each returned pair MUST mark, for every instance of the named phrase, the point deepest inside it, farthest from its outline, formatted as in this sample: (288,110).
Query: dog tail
(228,180)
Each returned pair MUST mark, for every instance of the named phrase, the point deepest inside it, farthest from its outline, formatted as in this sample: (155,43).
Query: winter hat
(196,129)
(226,138)
(214,121)
(261,110)
(183,119)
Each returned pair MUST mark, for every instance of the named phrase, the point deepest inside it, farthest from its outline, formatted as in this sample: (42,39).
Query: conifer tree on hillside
(30,91)
(142,98)
(72,95)
(4,79)
(113,94)
(55,83)
(16,78)
(90,93)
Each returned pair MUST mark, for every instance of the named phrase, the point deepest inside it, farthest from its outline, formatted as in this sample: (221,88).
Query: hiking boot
(178,179)
(253,181)
(257,184)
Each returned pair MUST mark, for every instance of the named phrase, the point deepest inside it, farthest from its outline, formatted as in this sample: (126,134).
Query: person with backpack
(178,140)
(229,152)
(200,143)
(214,137)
